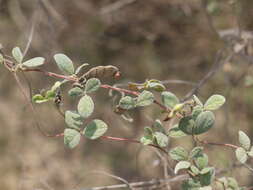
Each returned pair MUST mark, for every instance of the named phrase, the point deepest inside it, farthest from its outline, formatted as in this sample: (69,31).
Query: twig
(216,144)
(143,184)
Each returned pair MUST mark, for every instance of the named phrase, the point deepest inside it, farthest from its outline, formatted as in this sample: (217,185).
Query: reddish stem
(120,89)
(217,144)
(131,141)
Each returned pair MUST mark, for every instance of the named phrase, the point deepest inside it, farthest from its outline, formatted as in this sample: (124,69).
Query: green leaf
(76,91)
(232,183)
(214,102)
(196,152)
(161,139)
(127,102)
(155,85)
(145,99)
(17,54)
(50,95)
(250,153)
(1,58)
(175,132)
(244,140)
(34,62)
(187,124)
(206,170)
(92,85)
(80,68)
(207,178)
(202,161)
(85,106)
(204,122)
(241,155)
(169,99)
(194,169)
(197,100)
(38,98)
(146,140)
(158,126)
(191,184)
(56,86)
(95,129)
(178,154)
(73,119)
(196,111)
(181,165)
(71,138)
(64,63)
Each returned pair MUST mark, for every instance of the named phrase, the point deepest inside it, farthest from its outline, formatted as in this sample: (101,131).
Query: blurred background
(146,39)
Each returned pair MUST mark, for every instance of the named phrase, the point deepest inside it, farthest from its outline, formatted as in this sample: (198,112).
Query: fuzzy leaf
(175,132)
(161,139)
(204,122)
(80,68)
(195,170)
(145,99)
(146,140)
(196,111)
(71,138)
(92,85)
(73,119)
(169,99)
(214,102)
(196,152)
(17,54)
(158,126)
(187,125)
(244,140)
(38,98)
(127,102)
(64,63)
(85,106)
(181,165)
(76,91)
(95,129)
(202,161)
(178,154)
(241,155)
(34,62)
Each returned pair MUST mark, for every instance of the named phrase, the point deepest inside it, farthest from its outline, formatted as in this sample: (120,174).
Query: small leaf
(182,165)
(38,98)
(155,85)
(73,119)
(76,91)
(145,98)
(50,94)
(17,54)
(196,152)
(85,106)
(206,170)
(204,122)
(158,126)
(191,184)
(1,58)
(214,102)
(244,140)
(187,124)
(207,178)
(34,62)
(127,102)
(195,170)
(79,69)
(71,138)
(169,99)
(250,153)
(178,154)
(92,85)
(197,100)
(161,139)
(146,140)
(64,63)
(175,132)
(95,129)
(196,111)
(202,161)
(241,155)
(56,86)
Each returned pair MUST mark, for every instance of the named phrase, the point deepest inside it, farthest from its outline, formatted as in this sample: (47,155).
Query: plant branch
(216,144)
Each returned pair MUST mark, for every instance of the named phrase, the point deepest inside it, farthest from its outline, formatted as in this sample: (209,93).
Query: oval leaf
(71,138)
(204,122)
(178,154)
(34,62)
(92,85)
(85,106)
(161,139)
(182,165)
(202,161)
(145,99)
(95,129)
(64,63)
(175,132)
(169,99)
(241,155)
(244,140)
(76,91)
(17,54)
(187,124)
(127,102)
(196,152)
(214,102)
(73,119)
